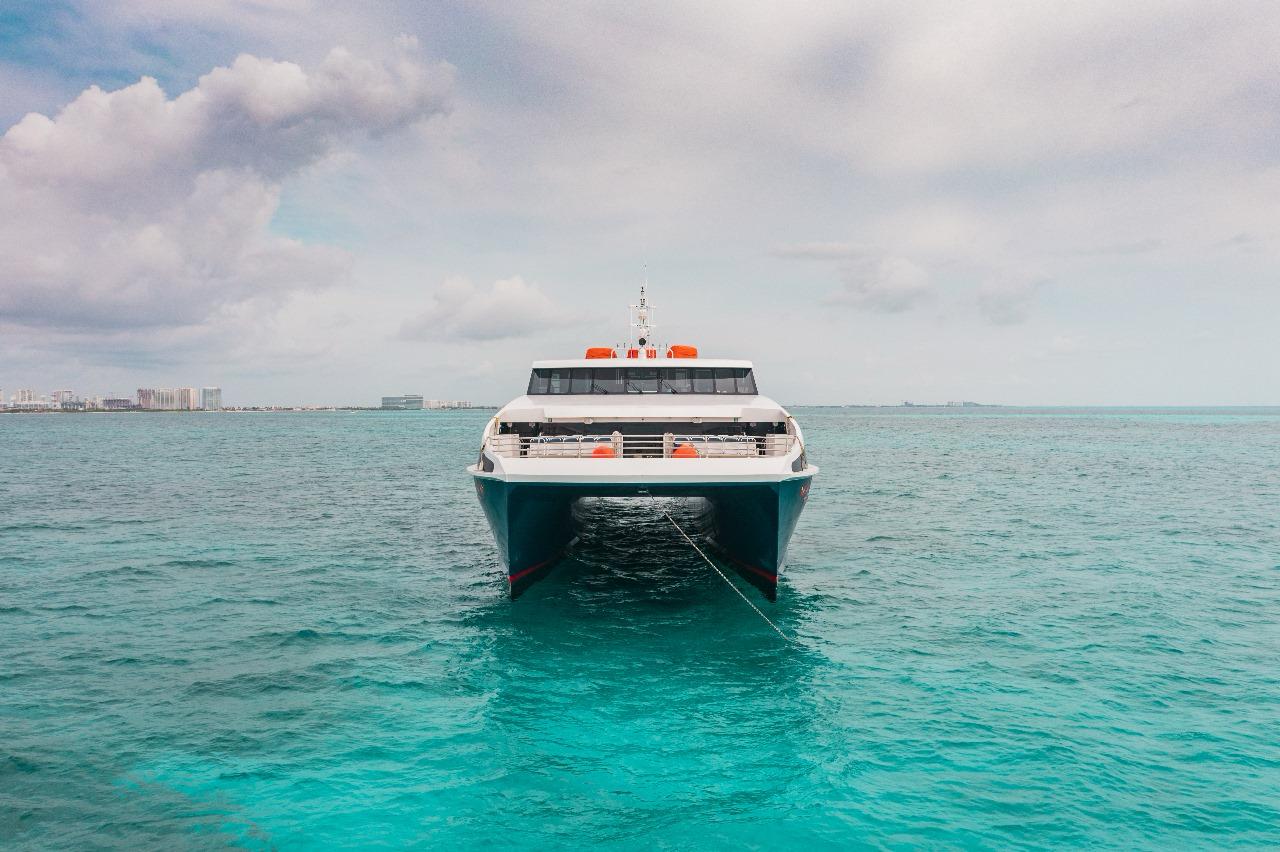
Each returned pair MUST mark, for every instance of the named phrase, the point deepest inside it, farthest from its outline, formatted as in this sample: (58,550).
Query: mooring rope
(716,568)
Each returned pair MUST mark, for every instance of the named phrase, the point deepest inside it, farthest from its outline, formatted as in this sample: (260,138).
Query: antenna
(641,321)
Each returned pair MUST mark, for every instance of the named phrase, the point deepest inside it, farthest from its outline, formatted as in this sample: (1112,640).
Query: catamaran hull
(533,525)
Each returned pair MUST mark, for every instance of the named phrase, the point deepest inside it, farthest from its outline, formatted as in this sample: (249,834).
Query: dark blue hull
(533,523)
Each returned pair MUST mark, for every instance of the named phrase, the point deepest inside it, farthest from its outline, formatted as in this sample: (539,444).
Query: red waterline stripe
(763,573)
(511,578)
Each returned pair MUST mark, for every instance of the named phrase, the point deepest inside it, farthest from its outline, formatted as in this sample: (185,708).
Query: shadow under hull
(533,523)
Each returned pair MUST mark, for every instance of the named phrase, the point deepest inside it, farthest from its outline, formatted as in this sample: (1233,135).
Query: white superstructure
(641,419)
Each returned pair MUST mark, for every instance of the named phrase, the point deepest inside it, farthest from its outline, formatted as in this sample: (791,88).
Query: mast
(642,322)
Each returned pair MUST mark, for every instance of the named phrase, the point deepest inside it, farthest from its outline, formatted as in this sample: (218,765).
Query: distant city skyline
(208,398)
(160,399)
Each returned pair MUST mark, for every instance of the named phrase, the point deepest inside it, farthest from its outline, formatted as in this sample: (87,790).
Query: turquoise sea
(1015,629)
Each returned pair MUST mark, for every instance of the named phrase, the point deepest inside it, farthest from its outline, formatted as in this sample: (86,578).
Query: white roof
(640,362)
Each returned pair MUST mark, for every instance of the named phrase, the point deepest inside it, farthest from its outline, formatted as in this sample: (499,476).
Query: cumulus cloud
(510,307)
(1126,150)
(890,286)
(129,209)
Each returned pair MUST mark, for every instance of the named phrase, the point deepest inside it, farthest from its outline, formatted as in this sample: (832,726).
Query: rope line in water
(716,568)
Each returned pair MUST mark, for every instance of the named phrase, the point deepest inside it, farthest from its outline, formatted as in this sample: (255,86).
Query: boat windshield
(611,380)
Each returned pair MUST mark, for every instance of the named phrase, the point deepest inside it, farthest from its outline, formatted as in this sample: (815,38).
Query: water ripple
(1016,629)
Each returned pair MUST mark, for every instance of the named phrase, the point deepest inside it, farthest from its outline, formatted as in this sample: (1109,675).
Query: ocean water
(1014,628)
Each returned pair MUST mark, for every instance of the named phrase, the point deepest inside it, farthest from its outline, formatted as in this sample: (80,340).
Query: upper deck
(642,381)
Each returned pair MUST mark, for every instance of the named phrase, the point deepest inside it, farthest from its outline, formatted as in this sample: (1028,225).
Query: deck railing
(670,445)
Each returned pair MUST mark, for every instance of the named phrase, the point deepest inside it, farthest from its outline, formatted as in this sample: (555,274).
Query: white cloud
(1007,300)
(820,251)
(1125,152)
(890,286)
(510,307)
(129,209)
(1063,344)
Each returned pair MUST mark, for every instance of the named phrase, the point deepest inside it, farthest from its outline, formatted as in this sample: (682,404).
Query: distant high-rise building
(407,402)
(61,396)
(27,399)
(146,398)
(211,399)
(117,403)
(186,399)
(166,399)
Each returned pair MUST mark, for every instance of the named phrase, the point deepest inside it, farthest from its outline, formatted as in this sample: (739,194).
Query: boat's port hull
(533,522)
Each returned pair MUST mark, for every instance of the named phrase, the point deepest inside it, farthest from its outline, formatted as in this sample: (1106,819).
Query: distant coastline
(916,407)
(246,409)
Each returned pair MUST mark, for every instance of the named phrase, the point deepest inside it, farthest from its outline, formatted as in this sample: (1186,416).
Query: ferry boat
(643,420)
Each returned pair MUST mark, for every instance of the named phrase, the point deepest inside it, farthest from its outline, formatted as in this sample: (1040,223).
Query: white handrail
(617,445)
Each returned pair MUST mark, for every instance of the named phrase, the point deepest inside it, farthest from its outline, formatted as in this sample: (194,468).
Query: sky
(321,203)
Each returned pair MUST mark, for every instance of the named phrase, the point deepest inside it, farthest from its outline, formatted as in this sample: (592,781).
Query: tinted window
(677,381)
(642,380)
(608,380)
